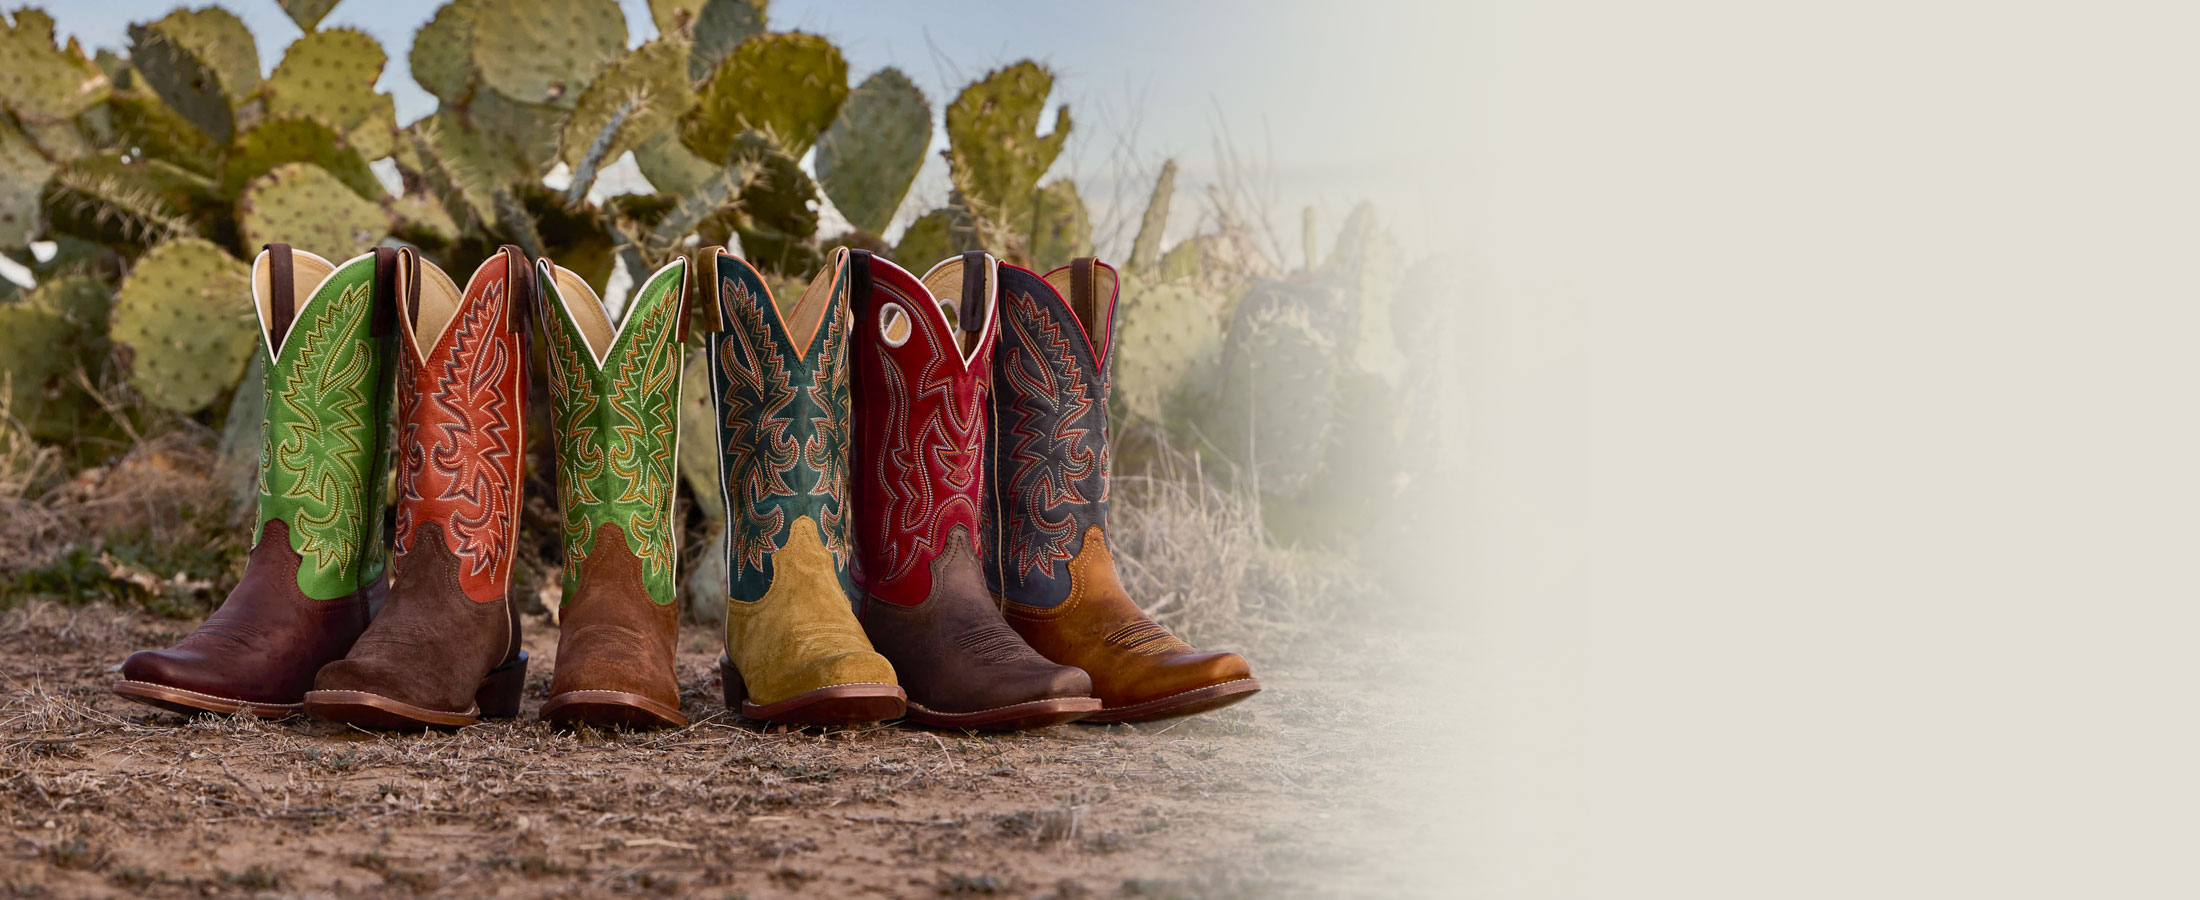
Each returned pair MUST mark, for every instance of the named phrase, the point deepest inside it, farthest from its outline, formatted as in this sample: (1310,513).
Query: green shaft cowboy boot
(317,556)
(615,395)
(779,381)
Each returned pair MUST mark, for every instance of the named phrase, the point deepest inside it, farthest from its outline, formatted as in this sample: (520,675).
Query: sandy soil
(1300,791)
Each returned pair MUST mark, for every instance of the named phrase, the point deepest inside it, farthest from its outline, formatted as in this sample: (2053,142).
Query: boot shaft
(1048,458)
(922,387)
(324,456)
(779,381)
(614,417)
(462,411)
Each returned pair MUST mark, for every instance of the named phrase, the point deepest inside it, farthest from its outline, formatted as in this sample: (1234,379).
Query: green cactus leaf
(103,199)
(461,166)
(526,133)
(720,26)
(774,220)
(376,138)
(290,139)
(442,54)
(81,299)
(182,80)
(1277,399)
(1146,249)
(787,86)
(868,158)
(303,205)
(935,236)
(545,51)
(633,99)
(995,155)
(573,234)
(331,75)
(184,314)
(307,13)
(1167,339)
(1060,230)
(148,127)
(218,39)
(44,350)
(422,220)
(23,175)
(42,82)
(668,165)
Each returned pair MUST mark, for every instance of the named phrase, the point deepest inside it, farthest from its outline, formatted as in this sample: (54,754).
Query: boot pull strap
(282,295)
(1081,300)
(408,282)
(519,280)
(706,289)
(385,290)
(688,287)
(972,316)
(859,283)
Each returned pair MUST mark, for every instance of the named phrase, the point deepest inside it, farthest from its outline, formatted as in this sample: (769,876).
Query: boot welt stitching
(193,693)
(1018,703)
(1204,687)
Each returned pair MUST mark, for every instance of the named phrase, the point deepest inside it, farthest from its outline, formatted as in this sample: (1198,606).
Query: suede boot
(614,415)
(1048,472)
(317,557)
(779,381)
(444,651)
(921,408)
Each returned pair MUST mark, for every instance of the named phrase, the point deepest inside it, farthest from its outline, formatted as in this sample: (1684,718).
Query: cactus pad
(42,82)
(142,121)
(775,219)
(1166,337)
(869,156)
(633,99)
(545,51)
(668,165)
(291,139)
(935,236)
(526,133)
(185,315)
(995,155)
(720,26)
(1277,396)
(40,347)
(376,137)
(1060,230)
(329,74)
(184,81)
(302,204)
(220,41)
(103,199)
(442,54)
(23,174)
(307,13)
(786,85)
(1146,249)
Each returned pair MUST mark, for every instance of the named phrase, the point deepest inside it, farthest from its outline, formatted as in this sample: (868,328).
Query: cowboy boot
(921,411)
(794,650)
(1048,468)
(317,558)
(615,396)
(444,650)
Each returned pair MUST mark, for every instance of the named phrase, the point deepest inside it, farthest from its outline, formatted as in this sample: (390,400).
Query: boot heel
(499,695)
(736,689)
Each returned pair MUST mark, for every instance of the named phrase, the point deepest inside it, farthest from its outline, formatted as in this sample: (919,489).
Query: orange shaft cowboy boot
(444,651)
(317,556)
(1048,469)
(614,415)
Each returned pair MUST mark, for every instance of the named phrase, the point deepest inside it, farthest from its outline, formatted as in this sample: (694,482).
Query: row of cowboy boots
(859,588)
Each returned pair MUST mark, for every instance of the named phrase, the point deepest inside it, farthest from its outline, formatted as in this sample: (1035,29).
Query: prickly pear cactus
(786,85)
(303,205)
(668,164)
(46,338)
(218,39)
(141,120)
(1167,341)
(307,13)
(869,156)
(545,51)
(774,220)
(995,154)
(442,54)
(935,236)
(1277,402)
(188,84)
(635,98)
(107,200)
(40,82)
(525,133)
(1060,230)
(1146,249)
(184,314)
(720,26)
(23,174)
(290,139)
(330,75)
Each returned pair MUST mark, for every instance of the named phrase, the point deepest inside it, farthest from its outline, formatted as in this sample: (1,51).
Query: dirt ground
(1307,789)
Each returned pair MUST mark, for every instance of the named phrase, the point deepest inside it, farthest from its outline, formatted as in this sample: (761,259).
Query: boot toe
(853,667)
(178,669)
(1064,681)
(1175,675)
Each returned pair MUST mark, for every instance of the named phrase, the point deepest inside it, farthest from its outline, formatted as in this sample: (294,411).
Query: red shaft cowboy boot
(445,649)
(1048,470)
(920,445)
(317,555)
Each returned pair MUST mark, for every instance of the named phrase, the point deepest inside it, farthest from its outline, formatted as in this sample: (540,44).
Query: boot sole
(1197,700)
(191,703)
(839,704)
(610,708)
(497,697)
(1014,717)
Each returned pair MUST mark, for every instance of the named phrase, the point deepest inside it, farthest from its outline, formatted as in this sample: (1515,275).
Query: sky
(1331,109)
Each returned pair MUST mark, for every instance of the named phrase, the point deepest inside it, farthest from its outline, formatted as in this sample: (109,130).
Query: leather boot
(779,380)
(444,651)
(1048,469)
(615,394)
(921,411)
(317,557)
